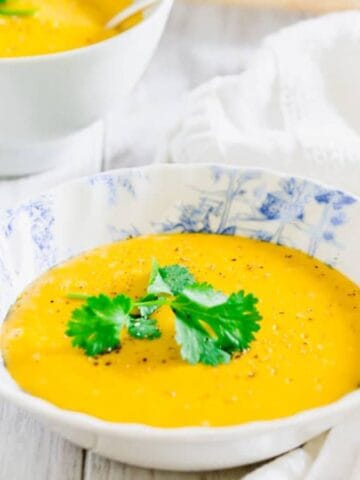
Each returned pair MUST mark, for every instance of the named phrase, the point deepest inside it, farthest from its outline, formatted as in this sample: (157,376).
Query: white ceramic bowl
(84,214)
(47,98)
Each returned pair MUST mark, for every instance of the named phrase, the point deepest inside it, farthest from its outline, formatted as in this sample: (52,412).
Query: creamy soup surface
(306,354)
(58,25)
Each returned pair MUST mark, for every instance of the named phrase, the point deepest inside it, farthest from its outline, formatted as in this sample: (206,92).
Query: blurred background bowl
(47,99)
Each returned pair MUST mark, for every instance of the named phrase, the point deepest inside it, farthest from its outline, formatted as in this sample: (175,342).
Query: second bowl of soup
(61,71)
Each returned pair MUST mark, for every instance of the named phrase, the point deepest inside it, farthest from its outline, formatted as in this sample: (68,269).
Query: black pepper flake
(234,259)
(144,360)
(52,301)
(107,364)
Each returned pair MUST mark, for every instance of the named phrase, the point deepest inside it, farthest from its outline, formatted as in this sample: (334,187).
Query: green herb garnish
(15,12)
(97,325)
(210,326)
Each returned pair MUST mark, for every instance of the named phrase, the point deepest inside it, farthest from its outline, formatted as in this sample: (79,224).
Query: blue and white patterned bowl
(83,214)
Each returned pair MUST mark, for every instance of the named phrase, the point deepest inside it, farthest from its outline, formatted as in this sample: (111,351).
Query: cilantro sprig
(97,326)
(210,326)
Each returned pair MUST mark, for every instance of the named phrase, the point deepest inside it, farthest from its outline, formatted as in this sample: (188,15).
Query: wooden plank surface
(29,451)
(98,468)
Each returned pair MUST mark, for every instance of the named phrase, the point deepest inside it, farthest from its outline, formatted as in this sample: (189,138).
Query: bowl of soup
(61,70)
(283,252)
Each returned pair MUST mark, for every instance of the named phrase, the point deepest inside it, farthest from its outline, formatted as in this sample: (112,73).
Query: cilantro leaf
(15,12)
(169,280)
(210,326)
(143,328)
(96,326)
(26,12)
(196,345)
(237,321)
(230,321)
(146,310)
(204,294)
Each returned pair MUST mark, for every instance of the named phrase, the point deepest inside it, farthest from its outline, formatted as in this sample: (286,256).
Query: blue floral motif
(212,213)
(121,233)
(41,218)
(286,205)
(276,208)
(333,216)
(336,198)
(262,235)
(5,275)
(244,206)
(112,184)
(7,283)
(252,203)
(195,218)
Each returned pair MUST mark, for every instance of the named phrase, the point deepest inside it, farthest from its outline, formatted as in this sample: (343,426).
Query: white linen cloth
(295,109)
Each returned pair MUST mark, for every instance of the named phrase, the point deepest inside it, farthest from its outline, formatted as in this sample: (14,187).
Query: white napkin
(332,457)
(296,109)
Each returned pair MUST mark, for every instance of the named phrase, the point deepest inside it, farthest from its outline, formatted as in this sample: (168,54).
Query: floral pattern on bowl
(78,216)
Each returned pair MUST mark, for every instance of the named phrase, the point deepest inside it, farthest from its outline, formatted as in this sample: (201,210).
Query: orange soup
(57,25)
(306,354)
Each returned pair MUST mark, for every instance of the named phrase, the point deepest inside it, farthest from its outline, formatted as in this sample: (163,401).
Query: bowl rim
(87,49)
(73,419)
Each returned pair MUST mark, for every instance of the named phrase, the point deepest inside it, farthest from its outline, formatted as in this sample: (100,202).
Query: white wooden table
(201,41)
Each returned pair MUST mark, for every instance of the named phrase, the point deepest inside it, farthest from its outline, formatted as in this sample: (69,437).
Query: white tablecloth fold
(295,109)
